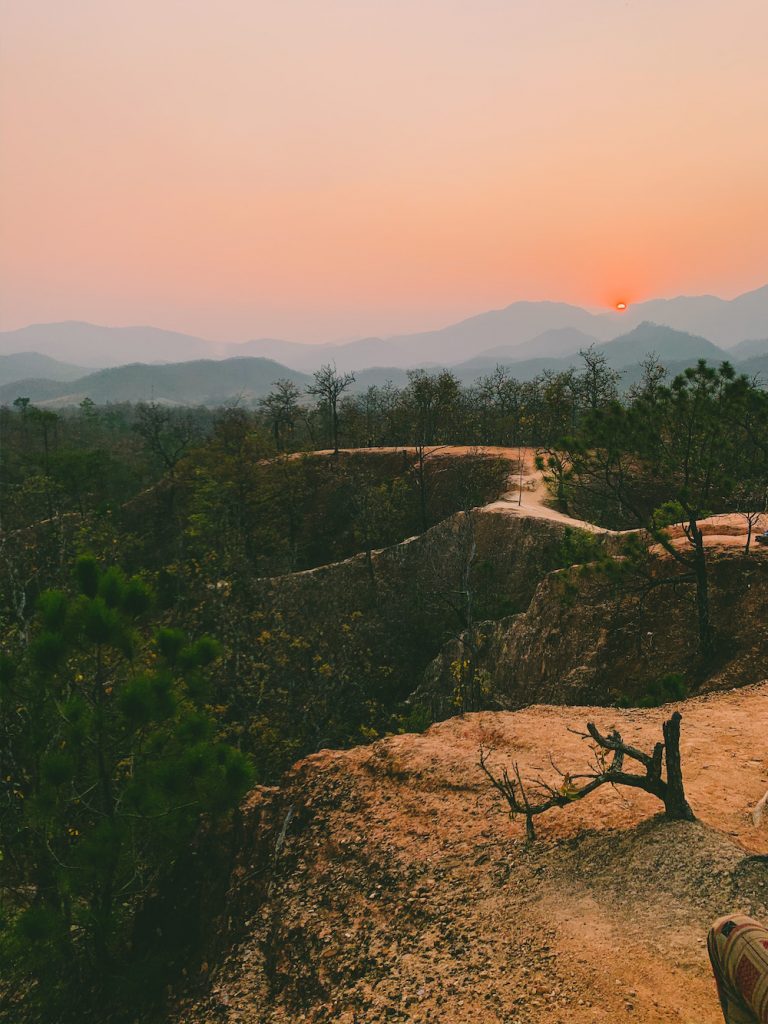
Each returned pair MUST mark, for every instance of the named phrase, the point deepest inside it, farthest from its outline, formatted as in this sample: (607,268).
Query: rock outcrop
(586,640)
(386,883)
(414,593)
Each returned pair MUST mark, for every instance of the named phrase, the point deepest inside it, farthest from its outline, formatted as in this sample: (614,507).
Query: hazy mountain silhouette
(95,346)
(198,382)
(753,347)
(218,382)
(669,345)
(353,355)
(508,328)
(518,332)
(725,321)
(22,365)
(560,341)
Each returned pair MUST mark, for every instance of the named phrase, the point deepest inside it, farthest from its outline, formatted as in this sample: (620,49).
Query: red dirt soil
(408,894)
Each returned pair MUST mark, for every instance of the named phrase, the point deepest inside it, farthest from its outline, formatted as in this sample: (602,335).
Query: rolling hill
(217,382)
(671,346)
(24,365)
(675,349)
(560,341)
(747,349)
(198,382)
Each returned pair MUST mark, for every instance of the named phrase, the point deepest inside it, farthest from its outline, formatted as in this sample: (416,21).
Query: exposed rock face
(583,640)
(414,589)
(549,635)
(513,553)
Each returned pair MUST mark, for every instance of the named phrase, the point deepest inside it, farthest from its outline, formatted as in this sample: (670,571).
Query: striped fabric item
(738,949)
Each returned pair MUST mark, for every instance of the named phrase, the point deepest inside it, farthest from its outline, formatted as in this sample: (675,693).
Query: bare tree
(328,387)
(652,379)
(422,455)
(281,408)
(543,796)
(168,434)
(751,504)
(598,383)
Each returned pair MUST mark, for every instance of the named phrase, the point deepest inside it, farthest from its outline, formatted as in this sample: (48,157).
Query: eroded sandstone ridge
(386,883)
(546,633)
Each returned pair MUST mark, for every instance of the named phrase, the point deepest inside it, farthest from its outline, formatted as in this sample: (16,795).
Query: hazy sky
(316,169)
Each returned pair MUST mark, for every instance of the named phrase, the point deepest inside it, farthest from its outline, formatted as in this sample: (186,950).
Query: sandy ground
(408,895)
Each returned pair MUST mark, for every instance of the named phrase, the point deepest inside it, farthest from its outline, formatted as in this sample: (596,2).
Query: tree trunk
(676,806)
(706,638)
(422,490)
(562,500)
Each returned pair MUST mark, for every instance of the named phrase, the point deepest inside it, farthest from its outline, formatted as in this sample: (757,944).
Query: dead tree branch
(610,753)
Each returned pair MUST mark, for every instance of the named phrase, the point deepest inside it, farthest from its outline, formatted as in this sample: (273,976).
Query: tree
(501,397)
(543,796)
(328,387)
(109,760)
(233,520)
(675,457)
(281,408)
(598,383)
(434,396)
(652,377)
(167,433)
(751,502)
(556,467)
(421,474)
(376,506)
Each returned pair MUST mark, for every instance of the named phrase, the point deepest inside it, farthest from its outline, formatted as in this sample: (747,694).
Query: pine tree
(109,761)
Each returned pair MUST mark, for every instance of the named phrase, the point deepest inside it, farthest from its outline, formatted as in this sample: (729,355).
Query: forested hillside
(192,599)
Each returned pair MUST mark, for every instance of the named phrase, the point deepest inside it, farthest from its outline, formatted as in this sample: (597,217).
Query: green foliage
(415,719)
(578,547)
(111,759)
(669,513)
(664,690)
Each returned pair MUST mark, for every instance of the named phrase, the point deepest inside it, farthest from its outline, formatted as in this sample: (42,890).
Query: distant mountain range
(215,382)
(522,331)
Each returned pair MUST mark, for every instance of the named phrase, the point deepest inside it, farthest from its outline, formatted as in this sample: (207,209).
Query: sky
(327,169)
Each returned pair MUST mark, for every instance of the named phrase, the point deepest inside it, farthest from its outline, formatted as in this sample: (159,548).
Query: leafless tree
(751,505)
(607,768)
(328,387)
(281,409)
(168,434)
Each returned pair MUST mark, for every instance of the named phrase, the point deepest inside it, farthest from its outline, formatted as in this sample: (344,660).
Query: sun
(621,306)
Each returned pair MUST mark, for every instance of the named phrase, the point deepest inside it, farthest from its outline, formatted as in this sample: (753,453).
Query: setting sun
(621,306)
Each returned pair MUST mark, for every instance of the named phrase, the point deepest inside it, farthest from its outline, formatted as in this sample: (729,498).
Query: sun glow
(621,306)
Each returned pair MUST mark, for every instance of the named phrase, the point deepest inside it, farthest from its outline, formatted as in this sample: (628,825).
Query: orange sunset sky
(323,169)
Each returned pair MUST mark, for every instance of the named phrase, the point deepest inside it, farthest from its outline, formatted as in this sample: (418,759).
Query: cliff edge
(387,883)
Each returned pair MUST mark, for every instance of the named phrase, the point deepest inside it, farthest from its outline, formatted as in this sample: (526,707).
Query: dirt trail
(404,893)
(529,497)
(401,891)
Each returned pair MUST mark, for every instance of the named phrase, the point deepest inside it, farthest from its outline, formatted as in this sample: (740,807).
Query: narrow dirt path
(529,497)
